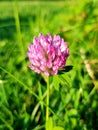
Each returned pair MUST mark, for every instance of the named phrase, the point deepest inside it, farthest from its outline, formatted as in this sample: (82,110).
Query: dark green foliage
(65,69)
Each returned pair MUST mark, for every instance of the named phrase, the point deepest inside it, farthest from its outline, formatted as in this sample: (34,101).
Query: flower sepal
(65,69)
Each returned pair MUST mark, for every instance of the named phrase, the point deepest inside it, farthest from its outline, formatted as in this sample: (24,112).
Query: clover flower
(48,54)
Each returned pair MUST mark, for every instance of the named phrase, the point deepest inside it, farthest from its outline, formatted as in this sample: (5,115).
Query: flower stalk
(47,100)
(47,55)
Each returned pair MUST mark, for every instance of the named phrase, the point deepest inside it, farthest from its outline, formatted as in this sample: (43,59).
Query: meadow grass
(73,101)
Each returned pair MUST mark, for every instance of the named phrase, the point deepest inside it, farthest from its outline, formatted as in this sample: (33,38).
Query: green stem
(47,102)
(17,22)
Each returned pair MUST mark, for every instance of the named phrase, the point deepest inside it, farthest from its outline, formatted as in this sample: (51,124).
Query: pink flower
(47,54)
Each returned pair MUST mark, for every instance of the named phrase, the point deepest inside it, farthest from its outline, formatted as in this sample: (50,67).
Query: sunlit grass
(74,99)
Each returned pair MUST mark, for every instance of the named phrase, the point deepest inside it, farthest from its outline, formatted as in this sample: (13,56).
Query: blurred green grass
(76,103)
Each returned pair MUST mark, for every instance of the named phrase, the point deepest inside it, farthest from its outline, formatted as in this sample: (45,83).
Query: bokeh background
(73,95)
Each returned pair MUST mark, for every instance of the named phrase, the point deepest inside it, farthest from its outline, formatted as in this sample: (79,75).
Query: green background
(73,95)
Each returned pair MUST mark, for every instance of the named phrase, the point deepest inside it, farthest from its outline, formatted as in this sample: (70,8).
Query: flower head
(47,54)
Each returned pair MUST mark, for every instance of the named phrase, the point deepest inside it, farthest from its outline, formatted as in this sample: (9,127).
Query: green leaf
(49,124)
(73,117)
(57,128)
(56,82)
(40,95)
(3,96)
(64,79)
(72,112)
